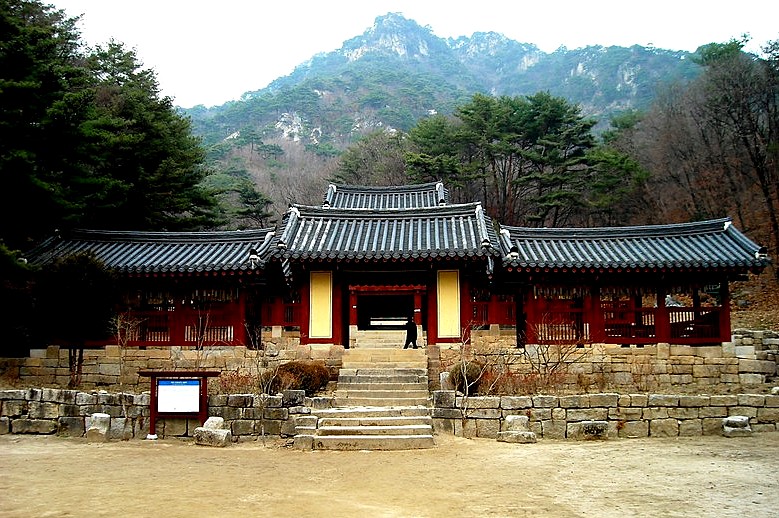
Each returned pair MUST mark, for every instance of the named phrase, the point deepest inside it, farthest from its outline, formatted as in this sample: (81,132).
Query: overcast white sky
(209,52)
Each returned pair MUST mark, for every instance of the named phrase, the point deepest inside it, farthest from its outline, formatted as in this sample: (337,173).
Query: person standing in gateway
(411,333)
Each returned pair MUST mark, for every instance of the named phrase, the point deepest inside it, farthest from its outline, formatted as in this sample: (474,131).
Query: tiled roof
(161,252)
(709,245)
(377,198)
(448,231)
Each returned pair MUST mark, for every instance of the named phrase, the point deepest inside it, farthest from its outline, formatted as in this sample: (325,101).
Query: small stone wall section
(67,413)
(627,415)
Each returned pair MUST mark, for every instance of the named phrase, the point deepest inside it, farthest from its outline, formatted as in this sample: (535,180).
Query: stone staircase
(382,403)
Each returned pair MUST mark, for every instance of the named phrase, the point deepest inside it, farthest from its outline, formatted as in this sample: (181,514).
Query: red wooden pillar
(305,310)
(177,321)
(352,307)
(432,312)
(239,336)
(595,315)
(337,313)
(532,314)
(417,307)
(662,318)
(724,315)
(466,309)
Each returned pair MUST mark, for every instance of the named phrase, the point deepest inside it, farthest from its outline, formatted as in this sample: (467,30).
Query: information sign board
(178,395)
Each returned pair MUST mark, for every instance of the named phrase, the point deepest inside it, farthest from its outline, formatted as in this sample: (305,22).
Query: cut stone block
(98,427)
(121,428)
(34,426)
(526,437)
(588,430)
(303,442)
(736,426)
(293,397)
(217,437)
(70,426)
(516,423)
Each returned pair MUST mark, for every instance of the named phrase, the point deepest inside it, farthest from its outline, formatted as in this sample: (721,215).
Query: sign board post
(177,394)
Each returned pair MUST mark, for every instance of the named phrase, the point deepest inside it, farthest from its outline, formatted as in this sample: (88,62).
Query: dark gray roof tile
(713,244)
(160,252)
(417,196)
(446,231)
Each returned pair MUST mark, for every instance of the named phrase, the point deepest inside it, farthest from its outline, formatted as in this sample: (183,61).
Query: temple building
(369,258)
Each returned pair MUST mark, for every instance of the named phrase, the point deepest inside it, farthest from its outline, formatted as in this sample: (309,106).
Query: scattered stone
(215,423)
(736,426)
(98,427)
(775,391)
(218,437)
(526,437)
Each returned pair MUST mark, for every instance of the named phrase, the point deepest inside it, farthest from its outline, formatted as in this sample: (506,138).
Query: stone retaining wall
(67,413)
(628,415)
(744,364)
(106,367)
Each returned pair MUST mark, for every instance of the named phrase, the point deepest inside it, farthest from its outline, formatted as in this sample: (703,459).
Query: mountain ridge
(397,72)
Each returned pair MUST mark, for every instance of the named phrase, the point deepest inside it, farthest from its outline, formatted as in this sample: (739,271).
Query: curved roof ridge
(695,227)
(455,208)
(430,194)
(386,188)
(168,237)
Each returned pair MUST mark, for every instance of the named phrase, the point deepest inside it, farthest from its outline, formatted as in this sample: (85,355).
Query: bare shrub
(237,382)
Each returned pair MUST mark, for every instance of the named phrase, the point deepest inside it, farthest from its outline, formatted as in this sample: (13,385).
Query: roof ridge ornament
(485,237)
(440,194)
(329,195)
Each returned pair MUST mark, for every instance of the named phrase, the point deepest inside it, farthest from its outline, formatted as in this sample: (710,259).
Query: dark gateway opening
(383,311)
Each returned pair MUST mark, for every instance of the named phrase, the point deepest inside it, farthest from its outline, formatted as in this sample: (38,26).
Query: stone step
(384,357)
(361,384)
(351,364)
(378,352)
(381,401)
(401,367)
(376,421)
(383,379)
(372,442)
(351,394)
(406,429)
(377,371)
(372,412)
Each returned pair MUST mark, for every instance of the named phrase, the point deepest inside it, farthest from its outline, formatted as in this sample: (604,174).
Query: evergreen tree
(85,137)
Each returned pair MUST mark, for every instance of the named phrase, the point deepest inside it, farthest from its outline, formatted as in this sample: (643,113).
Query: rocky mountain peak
(392,34)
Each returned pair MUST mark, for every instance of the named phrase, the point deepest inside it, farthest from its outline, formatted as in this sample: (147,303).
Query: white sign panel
(180,395)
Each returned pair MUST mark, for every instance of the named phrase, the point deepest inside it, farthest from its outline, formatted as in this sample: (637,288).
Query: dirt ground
(43,476)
